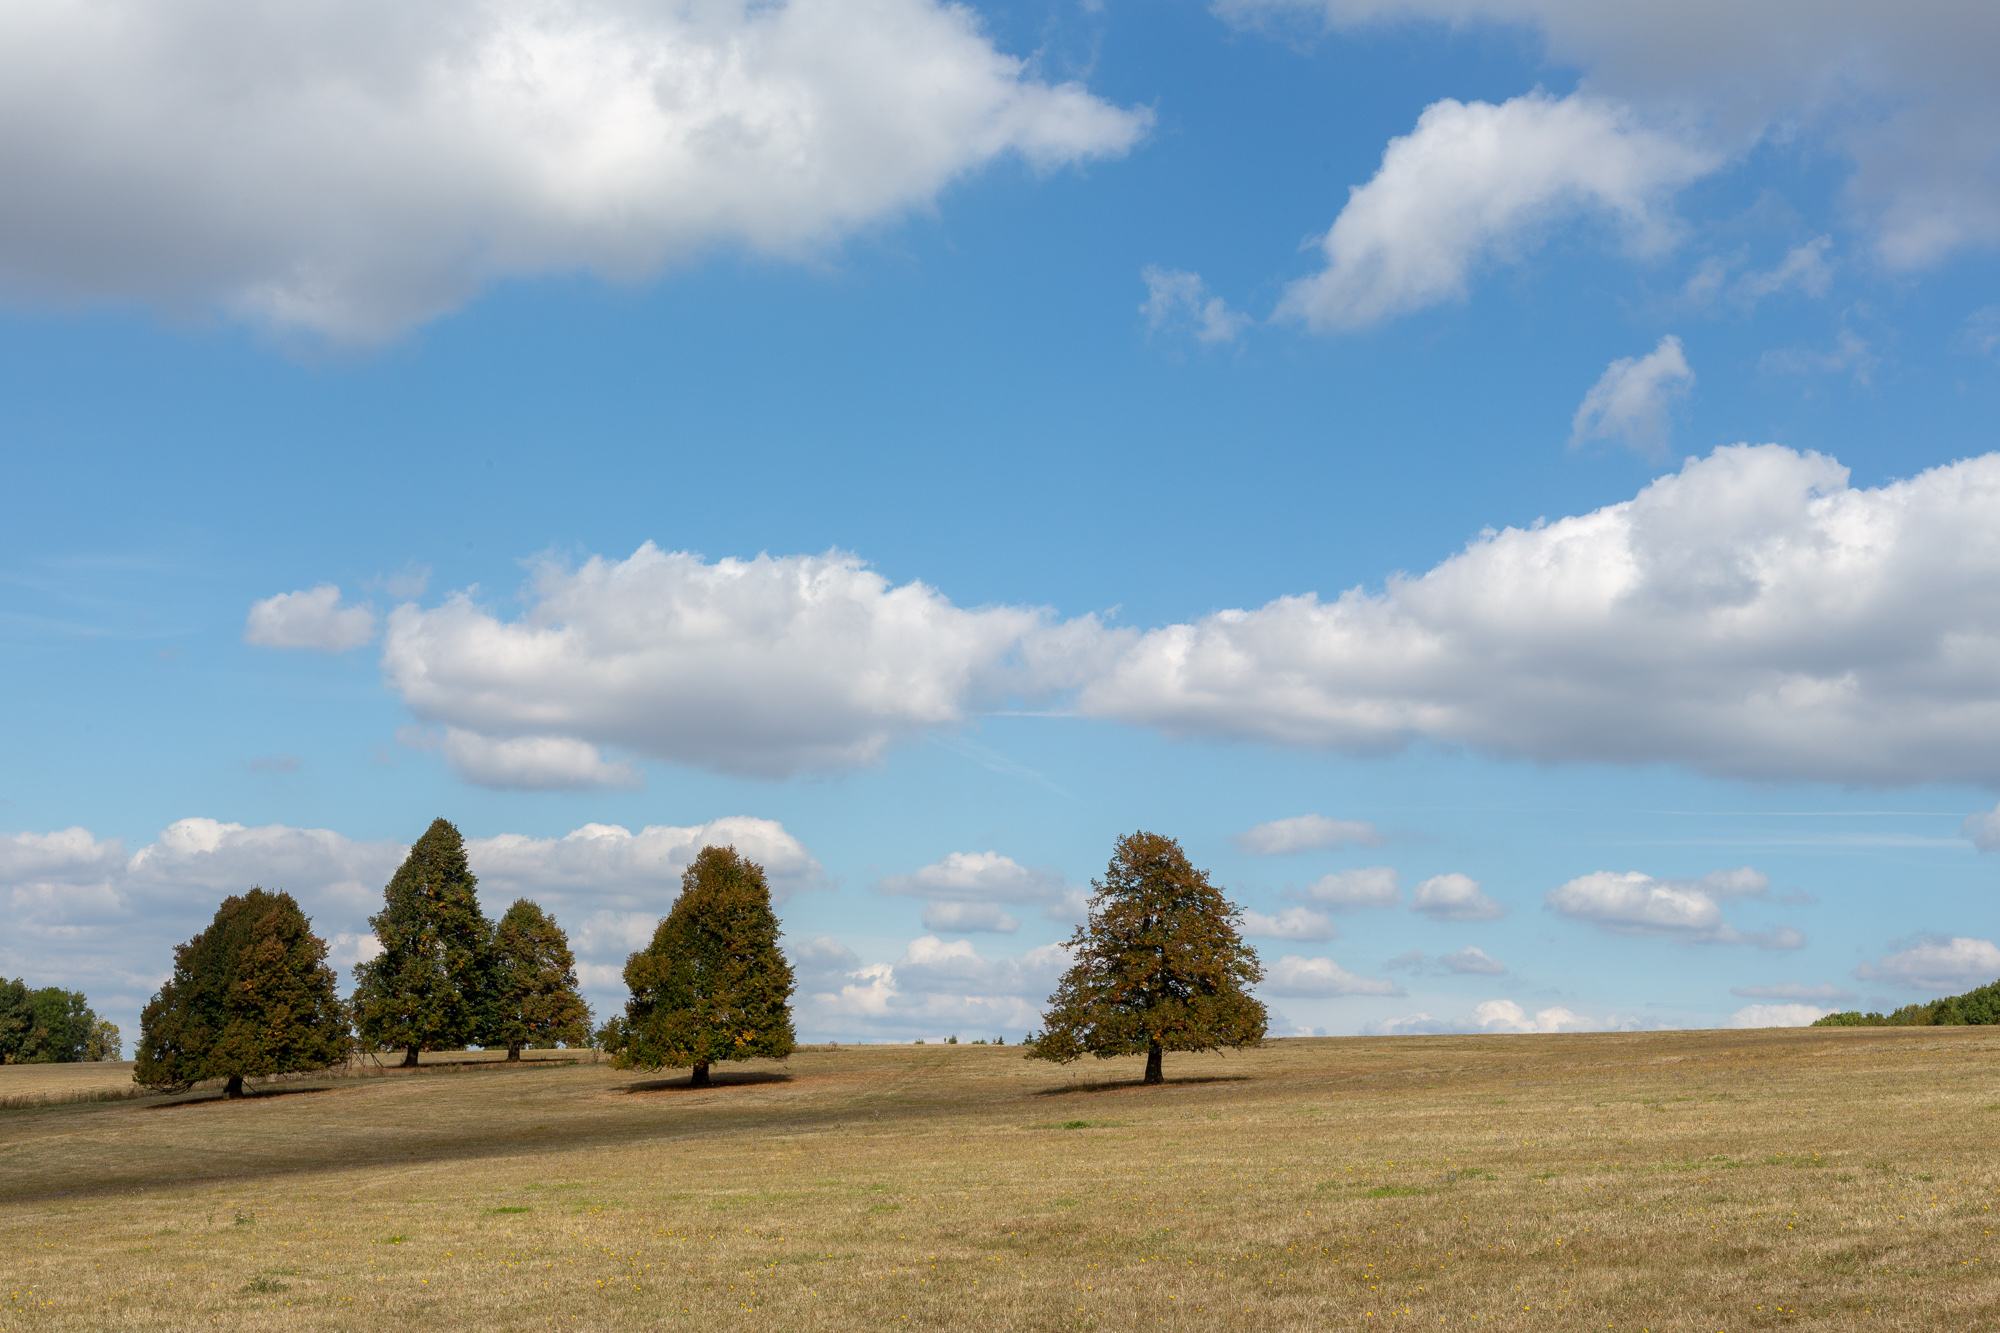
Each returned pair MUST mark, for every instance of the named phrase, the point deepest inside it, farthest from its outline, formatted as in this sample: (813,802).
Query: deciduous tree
(534,983)
(1159,966)
(250,996)
(46,1026)
(712,985)
(431,986)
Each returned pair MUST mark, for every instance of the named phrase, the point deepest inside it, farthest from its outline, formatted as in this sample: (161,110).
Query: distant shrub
(1975,1008)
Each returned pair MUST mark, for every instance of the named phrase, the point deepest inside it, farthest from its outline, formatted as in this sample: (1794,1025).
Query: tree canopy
(52,1026)
(431,986)
(250,996)
(1159,966)
(1976,1008)
(712,985)
(534,983)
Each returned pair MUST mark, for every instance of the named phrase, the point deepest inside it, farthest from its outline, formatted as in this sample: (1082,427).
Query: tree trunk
(699,1078)
(234,1088)
(1153,1074)
(514,1052)
(410,1058)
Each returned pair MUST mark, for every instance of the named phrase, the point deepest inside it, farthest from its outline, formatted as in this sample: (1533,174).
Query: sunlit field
(1699,1181)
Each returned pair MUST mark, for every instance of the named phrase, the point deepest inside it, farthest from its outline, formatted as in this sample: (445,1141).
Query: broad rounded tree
(534,983)
(712,985)
(430,987)
(251,995)
(1159,966)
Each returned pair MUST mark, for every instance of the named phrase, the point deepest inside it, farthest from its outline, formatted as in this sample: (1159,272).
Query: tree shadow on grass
(746,1079)
(1129,1083)
(214,1097)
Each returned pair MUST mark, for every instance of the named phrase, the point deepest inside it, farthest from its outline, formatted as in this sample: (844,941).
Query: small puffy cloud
(1318,978)
(1294,923)
(313,619)
(936,988)
(1632,402)
(1495,1016)
(1470,961)
(1936,963)
(1777,1015)
(611,865)
(1454,897)
(1475,182)
(1688,910)
(353,167)
(966,889)
(1177,301)
(1306,833)
(1982,830)
(764,667)
(1347,890)
(969,917)
(526,763)
(1791,991)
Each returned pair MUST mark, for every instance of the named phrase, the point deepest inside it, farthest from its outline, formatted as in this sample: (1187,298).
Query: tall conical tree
(712,985)
(1159,966)
(251,995)
(430,987)
(534,982)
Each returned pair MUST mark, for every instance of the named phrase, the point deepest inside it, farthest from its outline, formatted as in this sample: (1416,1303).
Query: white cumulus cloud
(1474,181)
(1938,963)
(1321,978)
(1454,897)
(965,891)
(1689,910)
(1905,94)
(764,667)
(1633,401)
(1293,923)
(1495,1016)
(352,167)
(309,619)
(1982,830)
(1306,833)
(937,988)
(1347,890)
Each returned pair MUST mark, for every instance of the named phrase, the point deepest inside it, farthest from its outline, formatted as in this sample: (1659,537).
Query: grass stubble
(1660,1181)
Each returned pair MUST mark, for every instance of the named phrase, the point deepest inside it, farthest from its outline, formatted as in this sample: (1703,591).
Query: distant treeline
(52,1026)
(1974,1008)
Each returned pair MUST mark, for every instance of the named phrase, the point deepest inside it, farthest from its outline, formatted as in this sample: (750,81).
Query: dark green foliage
(712,985)
(50,1026)
(1975,1008)
(251,995)
(534,983)
(1159,966)
(431,986)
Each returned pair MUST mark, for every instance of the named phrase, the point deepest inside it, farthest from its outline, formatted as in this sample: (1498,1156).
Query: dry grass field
(1667,1181)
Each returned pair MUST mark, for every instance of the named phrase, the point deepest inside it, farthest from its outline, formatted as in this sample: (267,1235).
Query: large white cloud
(354,166)
(965,891)
(1752,616)
(1348,890)
(1904,92)
(1937,963)
(1474,181)
(1454,897)
(1688,910)
(766,666)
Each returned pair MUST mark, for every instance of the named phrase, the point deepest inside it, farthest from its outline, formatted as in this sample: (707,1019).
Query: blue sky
(921,444)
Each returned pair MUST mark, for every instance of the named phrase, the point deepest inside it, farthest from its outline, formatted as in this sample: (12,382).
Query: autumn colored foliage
(1160,966)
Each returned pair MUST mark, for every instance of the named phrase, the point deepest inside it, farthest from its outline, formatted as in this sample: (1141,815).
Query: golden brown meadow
(1664,1181)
